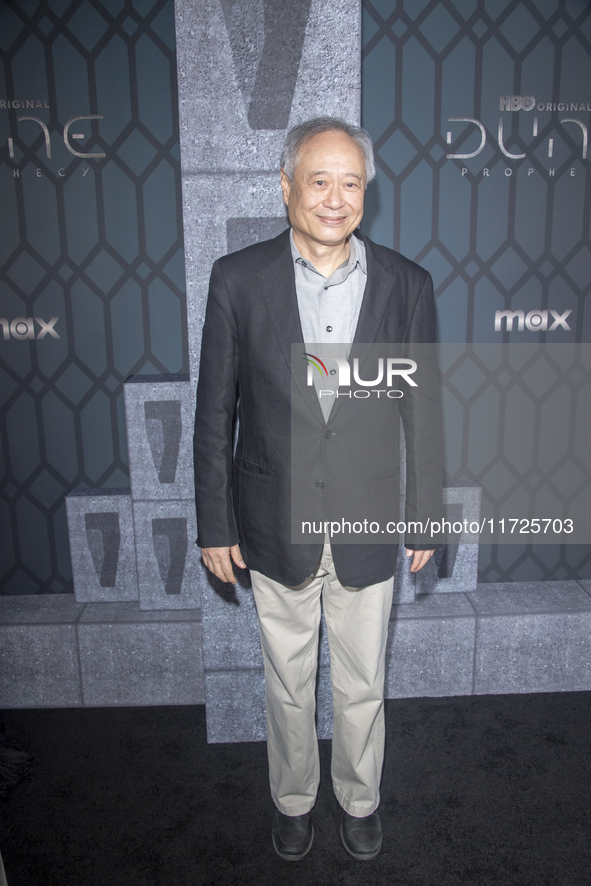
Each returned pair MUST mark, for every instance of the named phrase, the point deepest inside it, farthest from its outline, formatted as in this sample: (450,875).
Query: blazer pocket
(384,475)
(249,467)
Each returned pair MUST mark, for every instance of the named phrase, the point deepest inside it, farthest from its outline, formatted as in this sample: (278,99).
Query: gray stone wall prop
(211,203)
(38,652)
(303,60)
(235,706)
(455,567)
(100,529)
(217,132)
(504,638)
(129,657)
(231,126)
(159,416)
(96,651)
(498,639)
(232,662)
(431,647)
(532,637)
(55,652)
(241,232)
(233,665)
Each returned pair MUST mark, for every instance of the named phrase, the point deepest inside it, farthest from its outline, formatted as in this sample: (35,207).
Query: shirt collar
(356,255)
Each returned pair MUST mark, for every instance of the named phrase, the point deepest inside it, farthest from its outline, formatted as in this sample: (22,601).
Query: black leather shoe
(362,837)
(292,835)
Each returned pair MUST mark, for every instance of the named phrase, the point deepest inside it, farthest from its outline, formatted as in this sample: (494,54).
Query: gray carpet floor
(476,791)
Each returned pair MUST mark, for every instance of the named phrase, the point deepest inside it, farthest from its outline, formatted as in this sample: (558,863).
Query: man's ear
(285,186)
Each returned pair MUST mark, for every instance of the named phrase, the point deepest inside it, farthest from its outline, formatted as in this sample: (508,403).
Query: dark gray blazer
(251,322)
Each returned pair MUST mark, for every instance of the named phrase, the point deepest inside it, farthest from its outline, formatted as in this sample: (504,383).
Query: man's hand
(218,561)
(419,558)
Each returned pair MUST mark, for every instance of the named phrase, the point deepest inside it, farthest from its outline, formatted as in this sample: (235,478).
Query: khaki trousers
(357,628)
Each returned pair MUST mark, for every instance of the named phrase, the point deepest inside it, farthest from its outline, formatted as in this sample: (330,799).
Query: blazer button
(319,484)
(328,434)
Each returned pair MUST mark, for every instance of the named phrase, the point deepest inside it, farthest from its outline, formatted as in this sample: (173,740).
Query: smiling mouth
(330,220)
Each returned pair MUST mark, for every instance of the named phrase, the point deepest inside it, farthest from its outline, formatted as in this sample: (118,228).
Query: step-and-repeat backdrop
(480,111)
(91,256)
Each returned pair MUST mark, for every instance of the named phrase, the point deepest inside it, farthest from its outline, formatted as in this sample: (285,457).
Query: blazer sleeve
(421,417)
(214,419)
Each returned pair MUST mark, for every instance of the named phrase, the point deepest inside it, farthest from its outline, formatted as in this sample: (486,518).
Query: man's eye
(319,182)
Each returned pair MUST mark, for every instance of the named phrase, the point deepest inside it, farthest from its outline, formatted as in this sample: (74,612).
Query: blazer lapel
(377,298)
(277,283)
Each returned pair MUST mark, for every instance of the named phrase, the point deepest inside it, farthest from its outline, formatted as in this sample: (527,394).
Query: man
(317,283)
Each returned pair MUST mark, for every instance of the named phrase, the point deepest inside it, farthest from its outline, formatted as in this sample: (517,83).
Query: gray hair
(297,135)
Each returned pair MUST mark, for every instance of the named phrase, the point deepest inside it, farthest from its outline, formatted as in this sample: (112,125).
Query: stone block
(323,650)
(230,624)
(130,613)
(454,568)
(235,706)
(329,79)
(40,609)
(431,606)
(214,92)
(586,585)
(214,207)
(160,414)
(324,716)
(232,647)
(541,652)
(242,232)
(231,639)
(430,656)
(233,112)
(169,568)
(39,666)
(102,546)
(528,597)
(233,118)
(404,579)
(141,664)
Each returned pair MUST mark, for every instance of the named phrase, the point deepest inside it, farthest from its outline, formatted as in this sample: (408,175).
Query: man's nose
(333,198)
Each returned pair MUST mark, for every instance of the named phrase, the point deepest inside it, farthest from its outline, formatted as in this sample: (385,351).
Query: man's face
(325,201)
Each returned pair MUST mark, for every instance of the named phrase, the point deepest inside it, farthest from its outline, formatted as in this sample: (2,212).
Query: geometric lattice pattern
(523,416)
(505,225)
(92,236)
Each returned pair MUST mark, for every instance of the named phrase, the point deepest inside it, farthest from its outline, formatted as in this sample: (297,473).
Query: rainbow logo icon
(313,360)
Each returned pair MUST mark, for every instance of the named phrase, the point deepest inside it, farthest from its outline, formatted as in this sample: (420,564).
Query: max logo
(23,328)
(395,366)
(535,321)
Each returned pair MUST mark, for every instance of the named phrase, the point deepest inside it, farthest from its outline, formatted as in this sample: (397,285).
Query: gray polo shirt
(329,310)
(329,307)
